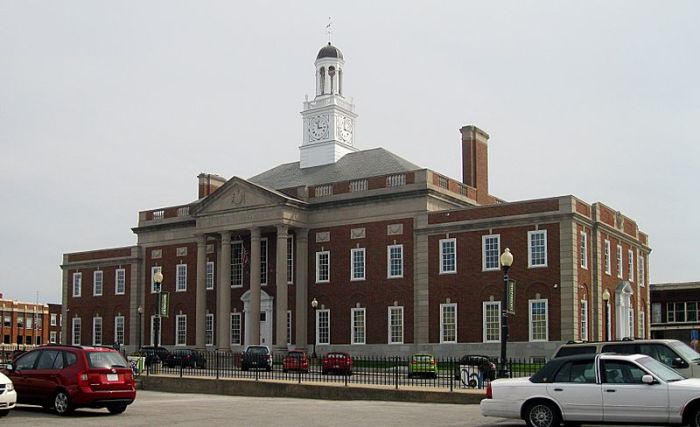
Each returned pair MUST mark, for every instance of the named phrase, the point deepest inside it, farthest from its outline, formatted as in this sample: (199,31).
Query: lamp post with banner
(158,280)
(508,305)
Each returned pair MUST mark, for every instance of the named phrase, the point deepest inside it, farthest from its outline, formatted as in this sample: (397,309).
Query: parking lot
(156,408)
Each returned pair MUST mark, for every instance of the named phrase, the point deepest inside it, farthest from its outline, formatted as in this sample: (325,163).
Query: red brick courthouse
(399,258)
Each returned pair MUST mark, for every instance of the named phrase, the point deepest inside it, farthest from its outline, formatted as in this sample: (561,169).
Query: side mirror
(679,363)
(10,367)
(648,379)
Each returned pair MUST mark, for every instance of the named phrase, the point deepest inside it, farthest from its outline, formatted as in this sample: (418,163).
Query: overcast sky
(109,108)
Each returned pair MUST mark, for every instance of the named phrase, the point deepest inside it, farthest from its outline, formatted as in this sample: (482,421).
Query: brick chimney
(208,183)
(475,161)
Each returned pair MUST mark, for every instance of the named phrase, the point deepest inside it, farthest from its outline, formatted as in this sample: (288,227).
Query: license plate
(336,366)
(112,377)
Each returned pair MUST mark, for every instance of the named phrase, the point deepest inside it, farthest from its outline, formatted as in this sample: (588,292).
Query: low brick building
(399,258)
(675,311)
(24,324)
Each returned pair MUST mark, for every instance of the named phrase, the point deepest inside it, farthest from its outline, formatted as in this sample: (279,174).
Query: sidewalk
(308,390)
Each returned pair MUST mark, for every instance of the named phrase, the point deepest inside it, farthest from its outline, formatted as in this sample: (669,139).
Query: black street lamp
(506,262)
(158,280)
(314,305)
(140,312)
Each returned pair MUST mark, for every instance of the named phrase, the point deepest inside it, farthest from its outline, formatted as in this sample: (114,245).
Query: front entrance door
(266,318)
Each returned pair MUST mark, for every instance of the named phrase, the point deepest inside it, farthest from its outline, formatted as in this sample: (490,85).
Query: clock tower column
(329,120)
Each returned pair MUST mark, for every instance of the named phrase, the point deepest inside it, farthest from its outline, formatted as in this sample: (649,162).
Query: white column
(302,292)
(201,293)
(281,282)
(254,317)
(223,294)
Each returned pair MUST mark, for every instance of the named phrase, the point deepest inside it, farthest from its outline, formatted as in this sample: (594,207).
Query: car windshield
(685,352)
(257,350)
(422,358)
(105,359)
(660,370)
(295,355)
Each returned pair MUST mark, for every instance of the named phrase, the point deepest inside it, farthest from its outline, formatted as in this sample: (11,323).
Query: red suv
(68,377)
(296,360)
(337,361)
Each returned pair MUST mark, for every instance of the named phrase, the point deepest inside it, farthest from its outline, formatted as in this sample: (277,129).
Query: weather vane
(328,27)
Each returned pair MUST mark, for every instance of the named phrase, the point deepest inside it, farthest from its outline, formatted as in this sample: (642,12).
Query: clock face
(345,129)
(318,128)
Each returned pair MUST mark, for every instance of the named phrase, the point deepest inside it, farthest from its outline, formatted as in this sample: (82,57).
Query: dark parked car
(336,362)
(154,354)
(68,377)
(474,369)
(257,357)
(186,358)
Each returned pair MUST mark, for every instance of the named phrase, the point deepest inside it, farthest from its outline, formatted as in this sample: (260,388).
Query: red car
(296,360)
(69,377)
(336,362)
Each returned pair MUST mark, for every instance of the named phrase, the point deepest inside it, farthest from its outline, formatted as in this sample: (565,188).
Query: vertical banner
(510,304)
(164,298)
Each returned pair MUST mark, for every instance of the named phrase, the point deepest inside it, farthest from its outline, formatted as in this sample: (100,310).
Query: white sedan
(602,388)
(8,395)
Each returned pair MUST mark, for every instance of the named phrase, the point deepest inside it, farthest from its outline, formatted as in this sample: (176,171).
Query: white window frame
(389,260)
(210,275)
(443,339)
(630,264)
(618,258)
(357,272)
(77,284)
(356,329)
(98,283)
(236,336)
(52,337)
(327,313)
(264,260)
(608,270)
(76,330)
(530,235)
(531,321)
(54,319)
(490,305)
(180,330)
(631,321)
(181,278)
(443,256)
(583,252)
(320,254)
(97,330)
(583,318)
(640,271)
(290,260)
(209,330)
(486,256)
(391,325)
(642,324)
(119,329)
(120,281)
(237,264)
(155,269)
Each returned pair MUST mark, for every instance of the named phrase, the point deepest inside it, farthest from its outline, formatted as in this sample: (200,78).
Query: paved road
(157,408)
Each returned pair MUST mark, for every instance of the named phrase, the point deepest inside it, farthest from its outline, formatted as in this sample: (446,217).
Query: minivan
(673,353)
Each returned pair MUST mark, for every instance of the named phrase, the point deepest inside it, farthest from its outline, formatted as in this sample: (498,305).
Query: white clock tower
(329,120)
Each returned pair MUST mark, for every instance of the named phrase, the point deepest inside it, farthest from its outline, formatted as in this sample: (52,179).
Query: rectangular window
(181,278)
(492,321)
(52,337)
(640,266)
(77,284)
(691,310)
(631,323)
(181,329)
(448,256)
(538,320)
(210,275)
(656,316)
(537,248)
(209,329)
(584,250)
(357,264)
(323,266)
(76,331)
(119,329)
(448,323)
(395,325)
(584,320)
(97,283)
(323,326)
(54,319)
(154,270)
(289,327)
(607,257)
(236,328)
(630,266)
(237,264)
(395,261)
(263,261)
(358,326)
(490,252)
(618,258)
(120,281)
(290,260)
(30,321)
(642,325)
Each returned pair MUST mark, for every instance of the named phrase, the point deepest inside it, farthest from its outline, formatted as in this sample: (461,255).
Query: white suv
(8,395)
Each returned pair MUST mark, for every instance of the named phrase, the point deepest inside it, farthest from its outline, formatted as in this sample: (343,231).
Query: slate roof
(357,165)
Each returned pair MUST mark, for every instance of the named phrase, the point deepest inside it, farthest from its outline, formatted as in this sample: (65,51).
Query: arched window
(331,73)
(322,80)
(340,81)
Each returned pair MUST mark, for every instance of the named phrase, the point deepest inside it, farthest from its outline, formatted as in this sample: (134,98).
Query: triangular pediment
(240,194)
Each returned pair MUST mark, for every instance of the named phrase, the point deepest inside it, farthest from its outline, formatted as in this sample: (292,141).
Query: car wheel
(116,409)
(695,417)
(324,372)
(4,413)
(542,414)
(268,368)
(61,403)
(410,375)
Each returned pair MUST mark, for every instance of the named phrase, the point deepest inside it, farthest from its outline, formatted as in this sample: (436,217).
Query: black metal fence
(396,372)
